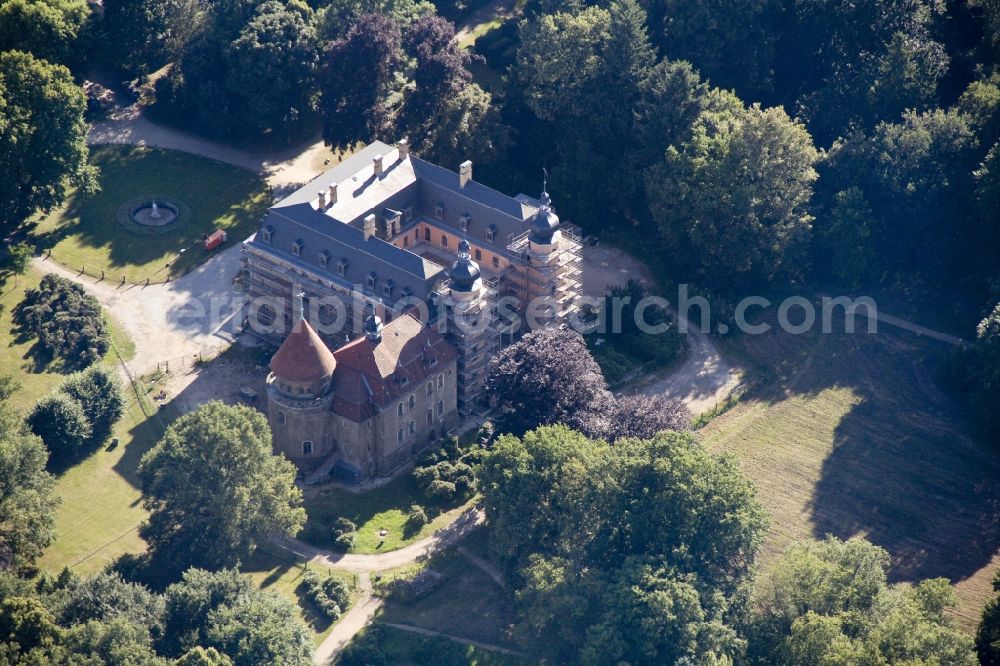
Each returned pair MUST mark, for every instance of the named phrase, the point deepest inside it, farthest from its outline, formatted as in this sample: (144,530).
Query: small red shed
(217,238)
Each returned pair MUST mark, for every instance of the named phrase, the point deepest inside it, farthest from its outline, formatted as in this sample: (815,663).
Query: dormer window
(324,258)
(266,233)
(439,211)
(297,248)
(491,233)
(387,288)
(372,279)
(408,213)
(341,267)
(463,222)
(407,292)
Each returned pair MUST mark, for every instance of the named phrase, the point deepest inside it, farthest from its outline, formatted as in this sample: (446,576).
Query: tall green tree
(27,500)
(61,423)
(730,42)
(43,149)
(215,490)
(828,603)
(101,394)
(18,259)
(734,196)
(138,36)
(358,75)
(52,30)
(636,552)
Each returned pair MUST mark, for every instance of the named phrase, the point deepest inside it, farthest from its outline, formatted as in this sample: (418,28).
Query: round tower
(299,396)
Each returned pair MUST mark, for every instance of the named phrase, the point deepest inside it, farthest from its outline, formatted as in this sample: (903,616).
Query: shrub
(61,423)
(344,542)
(101,394)
(417,517)
(331,596)
(66,320)
(441,490)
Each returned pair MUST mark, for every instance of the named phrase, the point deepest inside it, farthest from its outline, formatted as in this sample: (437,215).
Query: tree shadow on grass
(904,470)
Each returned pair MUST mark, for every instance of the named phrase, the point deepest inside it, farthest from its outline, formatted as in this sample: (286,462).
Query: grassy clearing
(281,574)
(467,603)
(101,502)
(404,648)
(372,511)
(849,435)
(85,232)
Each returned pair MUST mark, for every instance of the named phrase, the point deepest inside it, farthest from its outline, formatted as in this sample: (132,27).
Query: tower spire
(300,313)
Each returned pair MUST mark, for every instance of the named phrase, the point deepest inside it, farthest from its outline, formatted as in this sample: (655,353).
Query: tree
(191,601)
(19,259)
(467,126)
(214,489)
(547,377)
(48,29)
(736,194)
(242,78)
(857,63)
(27,501)
(645,416)
(358,74)
(846,239)
(640,548)
(825,601)
(140,35)
(66,319)
(730,43)
(272,66)
(988,633)
(261,629)
(105,597)
(43,145)
(61,423)
(985,370)
(440,72)
(101,394)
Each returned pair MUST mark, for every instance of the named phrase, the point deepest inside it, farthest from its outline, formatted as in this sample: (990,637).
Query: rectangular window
(496,262)
(412,400)
(281,418)
(399,436)
(399,409)
(307,448)
(444,241)
(479,254)
(427,234)
(430,389)
(324,258)
(430,416)
(440,407)
(440,381)
(413,427)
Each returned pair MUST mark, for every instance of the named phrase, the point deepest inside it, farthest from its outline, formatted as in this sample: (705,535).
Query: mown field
(851,435)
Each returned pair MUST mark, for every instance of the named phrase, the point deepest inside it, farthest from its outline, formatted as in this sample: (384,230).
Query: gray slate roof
(411,184)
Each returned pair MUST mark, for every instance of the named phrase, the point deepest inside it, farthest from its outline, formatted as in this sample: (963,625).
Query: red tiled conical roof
(303,356)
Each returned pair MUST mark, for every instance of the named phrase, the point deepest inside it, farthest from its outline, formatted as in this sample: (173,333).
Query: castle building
(369,407)
(385,234)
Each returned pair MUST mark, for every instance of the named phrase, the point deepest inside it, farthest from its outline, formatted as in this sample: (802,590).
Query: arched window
(430,388)
(399,436)
(399,409)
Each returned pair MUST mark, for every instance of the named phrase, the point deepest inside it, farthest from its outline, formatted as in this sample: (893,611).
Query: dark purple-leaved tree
(357,77)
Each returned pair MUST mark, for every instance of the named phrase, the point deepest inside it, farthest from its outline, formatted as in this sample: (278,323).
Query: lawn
(850,435)
(467,603)
(85,232)
(17,357)
(282,575)
(372,511)
(404,648)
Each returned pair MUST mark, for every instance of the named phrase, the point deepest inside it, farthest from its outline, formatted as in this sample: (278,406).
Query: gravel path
(357,618)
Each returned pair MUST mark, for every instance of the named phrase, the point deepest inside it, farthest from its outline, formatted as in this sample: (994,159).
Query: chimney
(404,149)
(377,163)
(369,225)
(333,194)
(321,195)
(464,173)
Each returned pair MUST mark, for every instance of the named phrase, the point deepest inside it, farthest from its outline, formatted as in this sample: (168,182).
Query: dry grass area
(850,435)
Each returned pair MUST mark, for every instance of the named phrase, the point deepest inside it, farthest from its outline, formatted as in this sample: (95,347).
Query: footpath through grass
(850,435)
(85,232)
